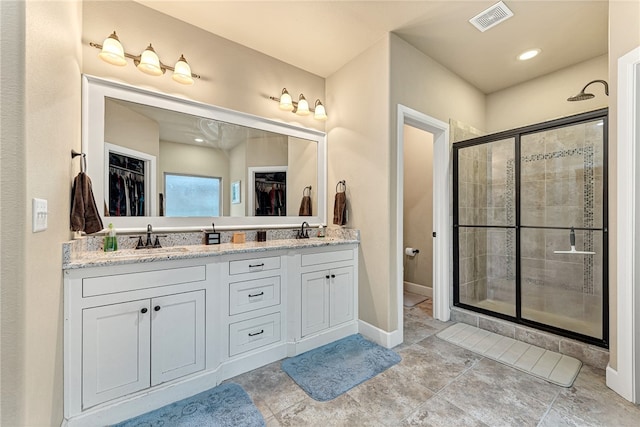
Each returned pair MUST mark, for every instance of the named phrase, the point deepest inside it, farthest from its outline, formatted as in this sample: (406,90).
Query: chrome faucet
(302,234)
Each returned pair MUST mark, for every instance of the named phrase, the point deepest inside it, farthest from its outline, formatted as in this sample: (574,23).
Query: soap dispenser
(110,240)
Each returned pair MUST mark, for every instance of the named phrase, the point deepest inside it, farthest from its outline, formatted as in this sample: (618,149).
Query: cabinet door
(177,336)
(341,295)
(115,351)
(315,302)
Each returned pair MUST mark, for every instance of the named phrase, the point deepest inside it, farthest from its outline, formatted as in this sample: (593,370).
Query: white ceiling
(322,36)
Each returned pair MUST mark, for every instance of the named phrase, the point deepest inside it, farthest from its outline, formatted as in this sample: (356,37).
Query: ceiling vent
(491,17)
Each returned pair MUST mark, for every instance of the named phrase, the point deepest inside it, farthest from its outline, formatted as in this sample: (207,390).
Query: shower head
(584,96)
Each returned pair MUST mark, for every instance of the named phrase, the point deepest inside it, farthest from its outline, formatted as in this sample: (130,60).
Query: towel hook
(83,163)
(304,191)
(344,185)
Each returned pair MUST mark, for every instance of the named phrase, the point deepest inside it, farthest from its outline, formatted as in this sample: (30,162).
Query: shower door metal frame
(516,134)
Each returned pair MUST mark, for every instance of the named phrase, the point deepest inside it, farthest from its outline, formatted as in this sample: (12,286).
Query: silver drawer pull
(256,265)
(257,333)
(256,295)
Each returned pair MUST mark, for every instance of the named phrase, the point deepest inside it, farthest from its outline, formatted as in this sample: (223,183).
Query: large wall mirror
(181,165)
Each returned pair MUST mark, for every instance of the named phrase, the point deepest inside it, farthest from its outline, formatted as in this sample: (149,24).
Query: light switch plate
(40,214)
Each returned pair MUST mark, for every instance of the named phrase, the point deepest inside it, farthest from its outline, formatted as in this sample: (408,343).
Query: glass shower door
(562,187)
(485,219)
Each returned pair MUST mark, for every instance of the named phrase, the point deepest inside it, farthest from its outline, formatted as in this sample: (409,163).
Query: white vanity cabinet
(130,346)
(140,334)
(254,322)
(327,295)
(327,299)
(133,328)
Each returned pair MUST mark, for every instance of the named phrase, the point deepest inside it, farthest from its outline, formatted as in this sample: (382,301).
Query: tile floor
(439,384)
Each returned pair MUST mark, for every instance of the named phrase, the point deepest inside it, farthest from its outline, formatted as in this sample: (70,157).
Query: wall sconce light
(301,107)
(112,52)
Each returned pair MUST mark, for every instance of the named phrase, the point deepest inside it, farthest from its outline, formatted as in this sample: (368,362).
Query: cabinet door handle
(256,295)
(144,310)
(257,333)
(333,276)
(156,308)
(326,277)
(256,265)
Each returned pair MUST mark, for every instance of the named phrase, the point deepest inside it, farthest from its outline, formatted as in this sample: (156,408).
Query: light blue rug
(326,372)
(227,405)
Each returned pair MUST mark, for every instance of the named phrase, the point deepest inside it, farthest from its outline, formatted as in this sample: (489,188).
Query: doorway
(418,216)
(441,260)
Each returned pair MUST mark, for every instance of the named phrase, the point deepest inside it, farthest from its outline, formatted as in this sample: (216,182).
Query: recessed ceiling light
(199,140)
(531,53)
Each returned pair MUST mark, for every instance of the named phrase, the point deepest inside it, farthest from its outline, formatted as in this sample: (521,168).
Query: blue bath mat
(326,372)
(222,406)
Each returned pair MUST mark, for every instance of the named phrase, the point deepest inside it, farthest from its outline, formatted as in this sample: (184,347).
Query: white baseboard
(377,335)
(620,385)
(414,288)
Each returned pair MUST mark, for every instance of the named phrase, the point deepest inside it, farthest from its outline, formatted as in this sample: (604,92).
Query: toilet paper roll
(411,251)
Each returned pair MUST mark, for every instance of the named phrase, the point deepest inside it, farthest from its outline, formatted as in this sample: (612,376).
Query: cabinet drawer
(253,265)
(254,294)
(326,257)
(253,333)
(133,281)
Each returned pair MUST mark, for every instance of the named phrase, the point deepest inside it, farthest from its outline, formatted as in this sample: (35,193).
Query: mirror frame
(94,92)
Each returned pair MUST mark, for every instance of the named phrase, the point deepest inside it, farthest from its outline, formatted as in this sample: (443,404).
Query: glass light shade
(303,107)
(112,51)
(149,62)
(286,103)
(320,113)
(182,72)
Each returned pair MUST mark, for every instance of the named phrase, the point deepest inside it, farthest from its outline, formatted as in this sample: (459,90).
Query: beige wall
(624,36)
(32,369)
(238,172)
(12,215)
(233,76)
(358,152)
(302,172)
(418,205)
(545,98)
(419,82)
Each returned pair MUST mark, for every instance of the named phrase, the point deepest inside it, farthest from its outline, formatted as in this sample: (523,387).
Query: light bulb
(320,113)
(149,62)
(303,107)
(182,72)
(286,103)
(112,51)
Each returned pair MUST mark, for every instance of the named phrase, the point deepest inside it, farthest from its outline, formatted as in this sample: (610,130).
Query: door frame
(442,273)
(624,378)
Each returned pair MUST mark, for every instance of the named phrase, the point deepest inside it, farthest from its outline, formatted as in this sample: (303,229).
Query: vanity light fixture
(112,52)
(301,107)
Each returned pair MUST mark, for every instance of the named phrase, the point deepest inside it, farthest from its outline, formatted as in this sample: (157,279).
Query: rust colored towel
(340,209)
(305,206)
(84,212)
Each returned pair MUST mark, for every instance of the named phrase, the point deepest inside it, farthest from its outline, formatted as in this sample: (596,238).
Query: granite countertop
(86,259)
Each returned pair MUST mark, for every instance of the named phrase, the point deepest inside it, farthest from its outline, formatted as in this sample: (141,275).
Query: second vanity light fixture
(112,52)
(301,107)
